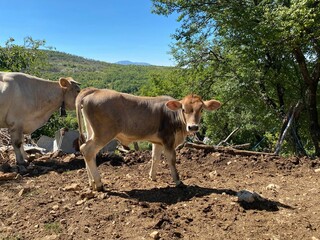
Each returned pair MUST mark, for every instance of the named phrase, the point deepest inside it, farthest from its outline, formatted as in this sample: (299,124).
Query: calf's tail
(79,105)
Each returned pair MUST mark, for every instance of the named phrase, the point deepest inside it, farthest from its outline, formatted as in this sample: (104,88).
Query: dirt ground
(51,200)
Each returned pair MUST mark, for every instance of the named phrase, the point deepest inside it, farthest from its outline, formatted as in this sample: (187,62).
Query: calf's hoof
(98,188)
(24,163)
(152,178)
(22,169)
(180,185)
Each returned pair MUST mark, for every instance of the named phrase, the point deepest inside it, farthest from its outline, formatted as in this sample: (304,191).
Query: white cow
(27,102)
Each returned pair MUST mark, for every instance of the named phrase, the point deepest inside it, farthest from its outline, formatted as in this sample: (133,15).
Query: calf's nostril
(193,128)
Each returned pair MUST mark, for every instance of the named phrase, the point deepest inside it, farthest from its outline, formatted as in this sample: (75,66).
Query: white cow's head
(192,106)
(71,90)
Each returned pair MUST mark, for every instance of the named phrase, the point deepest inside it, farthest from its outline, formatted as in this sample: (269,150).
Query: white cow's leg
(17,143)
(156,156)
(171,159)
(89,151)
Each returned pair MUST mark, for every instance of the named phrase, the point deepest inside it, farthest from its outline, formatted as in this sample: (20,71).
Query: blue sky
(106,30)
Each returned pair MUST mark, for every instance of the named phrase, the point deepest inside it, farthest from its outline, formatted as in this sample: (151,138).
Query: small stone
(213,174)
(67,207)
(249,197)
(88,195)
(55,207)
(8,176)
(102,196)
(273,187)
(317,170)
(63,221)
(23,191)
(80,202)
(72,187)
(155,235)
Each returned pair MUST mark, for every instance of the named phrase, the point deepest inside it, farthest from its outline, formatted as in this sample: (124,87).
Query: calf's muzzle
(193,128)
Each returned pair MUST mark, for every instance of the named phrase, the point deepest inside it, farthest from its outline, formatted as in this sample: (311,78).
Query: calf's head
(192,106)
(71,90)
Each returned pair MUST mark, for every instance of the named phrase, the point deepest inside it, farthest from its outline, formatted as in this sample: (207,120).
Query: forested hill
(125,78)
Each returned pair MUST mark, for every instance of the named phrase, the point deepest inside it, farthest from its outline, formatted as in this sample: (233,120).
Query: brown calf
(163,121)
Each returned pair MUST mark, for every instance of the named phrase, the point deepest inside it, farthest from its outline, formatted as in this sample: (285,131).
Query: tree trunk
(311,82)
(313,116)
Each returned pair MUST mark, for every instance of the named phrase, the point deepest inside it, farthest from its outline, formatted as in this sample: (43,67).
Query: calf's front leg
(171,159)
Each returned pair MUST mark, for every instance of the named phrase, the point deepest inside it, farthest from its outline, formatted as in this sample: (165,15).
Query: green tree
(27,58)
(259,56)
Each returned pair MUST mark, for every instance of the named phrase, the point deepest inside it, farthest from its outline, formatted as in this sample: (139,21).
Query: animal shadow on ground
(264,205)
(40,167)
(173,195)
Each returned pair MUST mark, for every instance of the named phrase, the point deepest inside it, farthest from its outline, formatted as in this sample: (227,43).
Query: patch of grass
(12,238)
(53,227)
(31,192)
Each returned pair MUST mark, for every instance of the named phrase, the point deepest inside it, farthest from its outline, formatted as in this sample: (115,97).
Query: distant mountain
(126,62)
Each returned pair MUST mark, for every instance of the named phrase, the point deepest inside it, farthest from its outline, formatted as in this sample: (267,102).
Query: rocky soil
(51,198)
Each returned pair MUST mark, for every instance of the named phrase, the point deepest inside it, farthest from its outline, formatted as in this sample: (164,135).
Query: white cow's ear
(174,105)
(64,82)
(211,105)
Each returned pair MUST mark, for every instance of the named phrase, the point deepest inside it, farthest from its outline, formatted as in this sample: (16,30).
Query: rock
(249,197)
(80,202)
(87,195)
(68,158)
(63,221)
(8,176)
(102,196)
(317,170)
(273,187)
(57,154)
(155,235)
(23,191)
(55,207)
(51,237)
(86,229)
(67,207)
(214,174)
(72,187)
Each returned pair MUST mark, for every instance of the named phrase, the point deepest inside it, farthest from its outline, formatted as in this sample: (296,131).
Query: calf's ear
(64,82)
(211,105)
(174,105)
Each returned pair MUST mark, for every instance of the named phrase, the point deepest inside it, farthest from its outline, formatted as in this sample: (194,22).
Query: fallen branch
(241,146)
(228,150)
(230,135)
(289,121)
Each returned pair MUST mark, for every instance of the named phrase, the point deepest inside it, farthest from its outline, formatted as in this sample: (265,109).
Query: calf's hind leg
(156,156)
(89,151)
